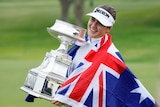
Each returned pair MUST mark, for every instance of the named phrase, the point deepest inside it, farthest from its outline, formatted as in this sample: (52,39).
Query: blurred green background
(24,41)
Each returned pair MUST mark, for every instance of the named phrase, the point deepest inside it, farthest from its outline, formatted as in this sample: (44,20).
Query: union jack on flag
(102,79)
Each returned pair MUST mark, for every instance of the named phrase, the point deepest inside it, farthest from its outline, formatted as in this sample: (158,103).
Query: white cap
(103,16)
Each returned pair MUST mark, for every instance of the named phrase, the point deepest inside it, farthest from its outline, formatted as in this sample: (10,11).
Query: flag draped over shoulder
(102,79)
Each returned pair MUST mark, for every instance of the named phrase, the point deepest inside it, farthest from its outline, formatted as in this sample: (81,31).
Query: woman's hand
(57,103)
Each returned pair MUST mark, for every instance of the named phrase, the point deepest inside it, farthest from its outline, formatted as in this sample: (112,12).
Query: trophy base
(36,94)
(41,84)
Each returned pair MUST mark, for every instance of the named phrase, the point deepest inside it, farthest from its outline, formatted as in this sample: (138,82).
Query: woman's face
(96,29)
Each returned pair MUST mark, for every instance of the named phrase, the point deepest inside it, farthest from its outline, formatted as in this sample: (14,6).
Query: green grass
(24,41)
(12,78)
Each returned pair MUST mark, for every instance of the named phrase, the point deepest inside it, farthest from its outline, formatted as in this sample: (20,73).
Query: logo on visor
(101,11)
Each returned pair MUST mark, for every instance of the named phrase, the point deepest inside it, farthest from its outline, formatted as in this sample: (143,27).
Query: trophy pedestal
(44,86)
(44,80)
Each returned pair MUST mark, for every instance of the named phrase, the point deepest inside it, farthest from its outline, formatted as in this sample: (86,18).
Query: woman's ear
(109,29)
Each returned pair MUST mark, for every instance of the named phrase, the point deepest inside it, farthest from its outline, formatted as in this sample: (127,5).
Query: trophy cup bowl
(44,80)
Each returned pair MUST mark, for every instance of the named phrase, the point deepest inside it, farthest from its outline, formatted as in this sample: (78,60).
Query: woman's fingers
(57,103)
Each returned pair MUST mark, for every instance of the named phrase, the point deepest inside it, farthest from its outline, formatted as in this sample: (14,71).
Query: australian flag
(102,79)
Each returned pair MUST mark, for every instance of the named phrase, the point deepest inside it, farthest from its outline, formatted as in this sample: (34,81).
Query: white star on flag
(142,90)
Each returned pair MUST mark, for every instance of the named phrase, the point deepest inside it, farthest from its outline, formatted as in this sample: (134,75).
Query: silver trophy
(44,80)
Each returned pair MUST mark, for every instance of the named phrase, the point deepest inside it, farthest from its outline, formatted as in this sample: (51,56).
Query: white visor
(104,17)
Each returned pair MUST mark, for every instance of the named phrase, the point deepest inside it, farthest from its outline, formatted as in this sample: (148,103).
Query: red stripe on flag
(115,63)
(101,89)
(83,83)
(69,81)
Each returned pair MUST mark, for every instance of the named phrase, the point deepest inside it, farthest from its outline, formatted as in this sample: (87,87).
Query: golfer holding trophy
(44,80)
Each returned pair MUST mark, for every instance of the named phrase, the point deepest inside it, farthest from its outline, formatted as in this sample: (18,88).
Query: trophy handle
(66,33)
(66,29)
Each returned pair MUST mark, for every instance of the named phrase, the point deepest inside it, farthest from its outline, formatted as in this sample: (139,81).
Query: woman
(98,76)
